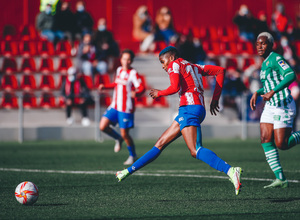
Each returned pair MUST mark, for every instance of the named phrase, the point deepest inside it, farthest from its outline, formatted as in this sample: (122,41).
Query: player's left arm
(289,76)
(219,72)
(138,85)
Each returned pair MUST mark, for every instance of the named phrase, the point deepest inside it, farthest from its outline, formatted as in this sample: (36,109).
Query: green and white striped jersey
(273,70)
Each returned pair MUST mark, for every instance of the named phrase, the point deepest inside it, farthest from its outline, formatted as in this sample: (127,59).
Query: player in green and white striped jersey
(279,112)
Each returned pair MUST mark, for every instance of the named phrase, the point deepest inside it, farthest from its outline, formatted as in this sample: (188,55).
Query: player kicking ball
(186,78)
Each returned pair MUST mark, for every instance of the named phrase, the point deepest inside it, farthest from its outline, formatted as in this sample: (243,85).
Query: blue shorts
(125,120)
(190,115)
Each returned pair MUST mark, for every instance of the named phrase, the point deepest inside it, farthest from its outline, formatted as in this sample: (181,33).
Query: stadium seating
(28,82)
(45,48)
(28,65)
(141,102)
(47,100)
(46,65)
(88,81)
(160,102)
(27,48)
(105,100)
(211,48)
(247,62)
(63,48)
(9,100)
(63,65)
(101,79)
(9,48)
(226,34)
(27,32)
(9,82)
(231,63)
(29,100)
(47,82)
(228,48)
(245,48)
(9,65)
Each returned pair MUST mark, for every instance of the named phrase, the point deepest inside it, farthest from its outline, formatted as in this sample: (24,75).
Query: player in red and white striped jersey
(127,86)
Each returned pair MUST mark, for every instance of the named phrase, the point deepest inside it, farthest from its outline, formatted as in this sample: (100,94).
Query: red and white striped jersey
(186,79)
(126,82)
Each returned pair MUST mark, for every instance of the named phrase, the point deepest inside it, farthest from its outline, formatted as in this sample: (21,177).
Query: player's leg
(272,155)
(130,146)
(171,134)
(110,117)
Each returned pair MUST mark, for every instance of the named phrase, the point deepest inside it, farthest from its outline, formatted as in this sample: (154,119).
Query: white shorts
(280,117)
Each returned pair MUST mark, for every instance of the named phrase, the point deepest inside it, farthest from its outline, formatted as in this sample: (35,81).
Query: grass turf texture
(178,186)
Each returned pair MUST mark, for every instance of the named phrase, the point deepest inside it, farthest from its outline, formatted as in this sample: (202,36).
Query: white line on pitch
(137,173)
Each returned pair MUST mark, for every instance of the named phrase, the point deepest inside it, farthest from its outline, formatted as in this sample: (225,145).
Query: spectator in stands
(107,48)
(233,89)
(164,27)
(86,55)
(246,23)
(261,23)
(296,31)
(288,52)
(83,20)
(64,21)
(190,48)
(54,5)
(44,24)
(143,28)
(280,22)
(76,93)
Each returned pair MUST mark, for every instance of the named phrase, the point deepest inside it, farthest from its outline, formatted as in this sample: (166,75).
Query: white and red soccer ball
(27,193)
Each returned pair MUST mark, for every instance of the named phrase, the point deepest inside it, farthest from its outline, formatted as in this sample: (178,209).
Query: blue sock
(131,150)
(212,160)
(144,160)
(114,134)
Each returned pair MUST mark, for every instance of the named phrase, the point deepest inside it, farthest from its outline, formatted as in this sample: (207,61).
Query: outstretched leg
(171,134)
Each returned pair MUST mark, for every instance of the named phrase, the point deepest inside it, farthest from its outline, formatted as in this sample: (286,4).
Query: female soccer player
(186,78)
(279,112)
(127,86)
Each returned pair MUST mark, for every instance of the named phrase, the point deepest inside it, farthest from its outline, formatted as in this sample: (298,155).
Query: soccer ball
(26,193)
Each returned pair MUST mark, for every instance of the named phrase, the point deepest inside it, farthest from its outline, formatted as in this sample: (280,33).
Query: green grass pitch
(76,180)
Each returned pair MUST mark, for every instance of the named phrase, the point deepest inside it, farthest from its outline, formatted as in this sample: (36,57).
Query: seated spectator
(83,20)
(280,22)
(246,23)
(75,93)
(296,31)
(164,27)
(64,21)
(190,48)
(261,23)
(86,55)
(106,48)
(44,23)
(143,29)
(288,52)
(233,88)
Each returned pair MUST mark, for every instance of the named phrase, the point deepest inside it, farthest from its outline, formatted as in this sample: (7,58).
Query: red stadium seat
(29,100)
(231,63)
(247,62)
(105,100)
(47,100)
(63,48)
(160,102)
(101,79)
(228,48)
(144,82)
(297,47)
(27,48)
(9,65)
(47,82)
(64,64)
(9,100)
(211,48)
(9,82)
(141,102)
(45,48)
(88,81)
(28,82)
(225,34)
(61,80)
(27,32)
(46,65)
(245,48)
(208,33)
(9,48)
(9,32)
(28,65)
